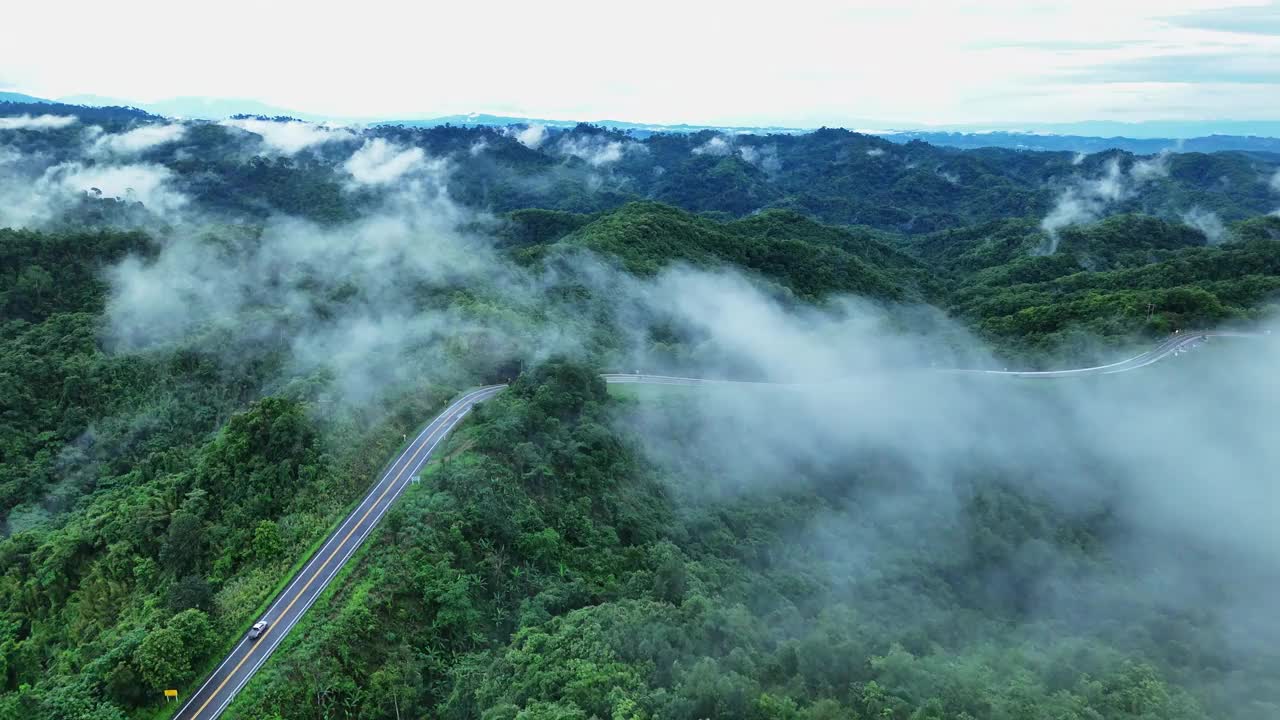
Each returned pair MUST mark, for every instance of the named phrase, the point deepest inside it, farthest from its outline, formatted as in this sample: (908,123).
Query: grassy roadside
(167,711)
(332,598)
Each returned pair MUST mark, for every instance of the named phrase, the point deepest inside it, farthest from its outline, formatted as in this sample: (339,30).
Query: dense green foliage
(1126,279)
(811,259)
(546,571)
(832,175)
(1127,276)
(139,536)
(53,376)
(151,501)
(161,564)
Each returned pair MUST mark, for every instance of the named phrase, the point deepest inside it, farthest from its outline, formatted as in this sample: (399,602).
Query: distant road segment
(1173,345)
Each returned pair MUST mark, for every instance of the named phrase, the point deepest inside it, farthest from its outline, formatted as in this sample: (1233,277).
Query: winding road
(220,688)
(1173,345)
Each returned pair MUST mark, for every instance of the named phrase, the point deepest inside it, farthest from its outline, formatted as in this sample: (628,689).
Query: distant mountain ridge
(1087,144)
(1145,138)
(14,97)
(200,108)
(482,119)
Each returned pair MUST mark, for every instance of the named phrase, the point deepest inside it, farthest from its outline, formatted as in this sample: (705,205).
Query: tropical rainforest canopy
(214,334)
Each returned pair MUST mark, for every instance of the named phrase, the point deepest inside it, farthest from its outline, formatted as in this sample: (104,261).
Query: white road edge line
(389,501)
(336,533)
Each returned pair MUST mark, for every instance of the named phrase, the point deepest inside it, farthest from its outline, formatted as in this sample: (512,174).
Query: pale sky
(797,63)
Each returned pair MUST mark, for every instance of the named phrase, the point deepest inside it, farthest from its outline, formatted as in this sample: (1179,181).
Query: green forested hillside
(832,175)
(150,502)
(548,571)
(208,343)
(1035,302)
(811,259)
(1127,276)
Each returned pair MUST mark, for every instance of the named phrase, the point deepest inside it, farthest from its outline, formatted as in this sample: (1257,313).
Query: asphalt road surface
(1173,345)
(235,671)
(221,687)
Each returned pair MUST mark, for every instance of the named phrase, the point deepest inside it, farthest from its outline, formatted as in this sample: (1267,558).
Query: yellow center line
(335,552)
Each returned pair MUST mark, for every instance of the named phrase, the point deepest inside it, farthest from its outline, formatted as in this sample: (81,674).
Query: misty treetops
(214,334)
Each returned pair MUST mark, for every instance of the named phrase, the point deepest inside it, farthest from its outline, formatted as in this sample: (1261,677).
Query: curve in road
(290,605)
(1171,346)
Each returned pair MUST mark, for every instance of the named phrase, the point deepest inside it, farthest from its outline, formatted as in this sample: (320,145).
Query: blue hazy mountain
(203,108)
(1257,136)
(1087,144)
(20,98)
(1086,136)
(1147,129)
(640,129)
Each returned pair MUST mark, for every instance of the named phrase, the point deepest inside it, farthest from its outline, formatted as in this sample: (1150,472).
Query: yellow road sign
(171,693)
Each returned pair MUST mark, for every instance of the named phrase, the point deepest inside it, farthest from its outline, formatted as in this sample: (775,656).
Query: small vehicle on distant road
(258,628)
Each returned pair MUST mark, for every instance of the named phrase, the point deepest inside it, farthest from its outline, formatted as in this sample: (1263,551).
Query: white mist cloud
(346,299)
(292,136)
(757,337)
(379,162)
(375,255)
(1149,169)
(597,151)
(875,152)
(137,140)
(145,183)
(1275,182)
(1207,222)
(35,195)
(716,146)
(24,205)
(37,122)
(765,158)
(1086,200)
(531,137)
(1132,446)
(1078,158)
